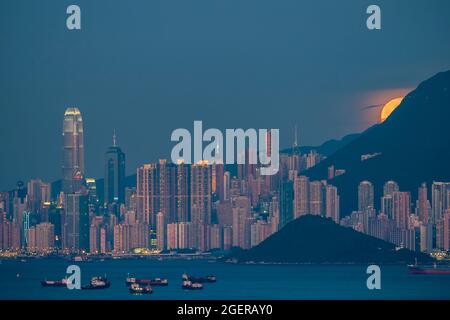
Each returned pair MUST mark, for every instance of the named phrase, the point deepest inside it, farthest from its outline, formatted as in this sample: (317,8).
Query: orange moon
(389,108)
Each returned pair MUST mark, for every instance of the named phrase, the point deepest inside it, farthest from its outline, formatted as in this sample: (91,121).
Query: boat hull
(140,290)
(207,279)
(97,287)
(202,280)
(151,282)
(53,284)
(191,288)
(97,283)
(419,270)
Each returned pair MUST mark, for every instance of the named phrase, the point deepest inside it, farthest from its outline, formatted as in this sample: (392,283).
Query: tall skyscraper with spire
(114,174)
(73,151)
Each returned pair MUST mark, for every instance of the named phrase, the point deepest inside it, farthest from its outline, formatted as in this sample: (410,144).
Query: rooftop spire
(114,138)
(295,136)
(295,144)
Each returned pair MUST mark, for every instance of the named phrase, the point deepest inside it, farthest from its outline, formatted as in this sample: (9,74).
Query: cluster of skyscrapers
(199,207)
(424,226)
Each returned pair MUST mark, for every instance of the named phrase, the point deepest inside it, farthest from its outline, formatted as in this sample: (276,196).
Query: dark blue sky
(146,68)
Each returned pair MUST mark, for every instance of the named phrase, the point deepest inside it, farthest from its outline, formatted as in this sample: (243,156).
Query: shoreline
(211,259)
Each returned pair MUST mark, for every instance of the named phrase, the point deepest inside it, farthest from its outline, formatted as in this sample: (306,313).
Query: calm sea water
(234,281)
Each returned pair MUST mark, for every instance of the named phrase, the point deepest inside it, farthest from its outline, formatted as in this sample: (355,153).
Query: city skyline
(224,154)
(168,64)
(204,206)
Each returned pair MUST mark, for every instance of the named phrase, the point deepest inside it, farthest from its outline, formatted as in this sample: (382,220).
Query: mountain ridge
(413,143)
(327,148)
(314,239)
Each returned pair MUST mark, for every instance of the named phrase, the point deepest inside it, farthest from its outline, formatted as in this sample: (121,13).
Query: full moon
(389,108)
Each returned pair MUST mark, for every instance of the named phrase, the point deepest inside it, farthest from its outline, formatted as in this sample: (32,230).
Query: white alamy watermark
(374,20)
(241,147)
(73,21)
(374,280)
(74,279)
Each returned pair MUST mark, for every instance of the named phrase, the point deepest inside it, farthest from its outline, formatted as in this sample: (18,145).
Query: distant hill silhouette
(313,239)
(414,143)
(327,148)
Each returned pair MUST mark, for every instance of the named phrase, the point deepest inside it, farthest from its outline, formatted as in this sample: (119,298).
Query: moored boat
(97,283)
(434,269)
(52,283)
(140,289)
(79,259)
(151,282)
(207,279)
(159,282)
(189,285)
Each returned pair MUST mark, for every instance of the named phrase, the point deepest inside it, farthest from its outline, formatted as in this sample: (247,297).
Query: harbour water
(21,280)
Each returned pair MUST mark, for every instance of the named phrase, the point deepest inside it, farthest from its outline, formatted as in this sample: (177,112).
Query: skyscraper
(146,194)
(45,236)
(182,193)
(286,203)
(201,191)
(160,231)
(172,236)
(440,199)
(38,192)
(401,208)
(73,151)
(301,196)
(114,174)
(446,236)
(166,188)
(332,203)
(423,204)
(387,204)
(19,212)
(122,238)
(76,231)
(316,197)
(426,237)
(365,196)
(390,187)
(200,202)
(94,238)
(241,222)
(219,169)
(259,230)
(156,191)
(226,186)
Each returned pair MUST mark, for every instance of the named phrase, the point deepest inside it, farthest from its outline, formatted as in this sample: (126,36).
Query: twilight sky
(146,68)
